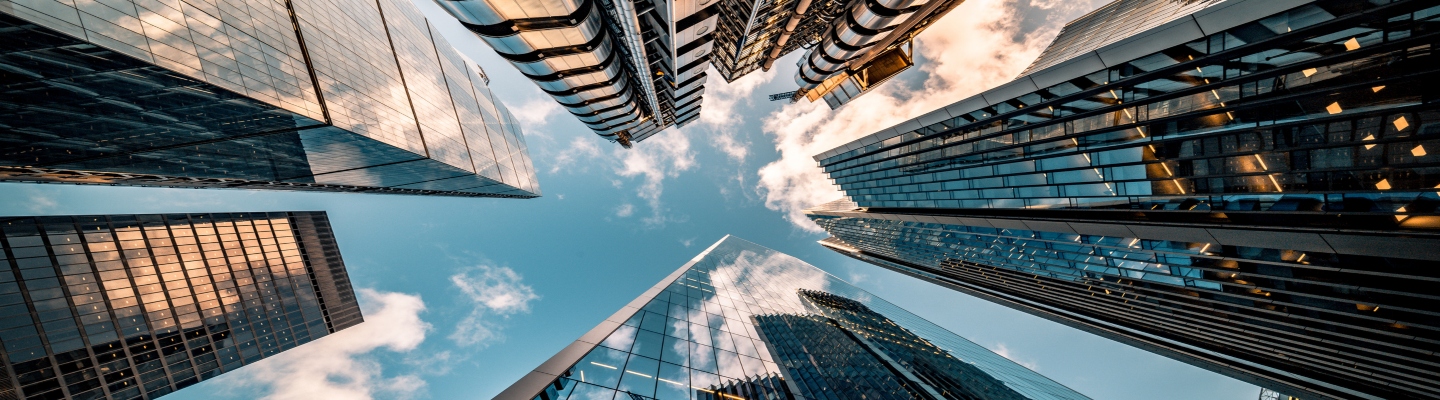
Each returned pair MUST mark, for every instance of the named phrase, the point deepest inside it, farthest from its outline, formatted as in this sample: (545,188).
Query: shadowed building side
(1247,186)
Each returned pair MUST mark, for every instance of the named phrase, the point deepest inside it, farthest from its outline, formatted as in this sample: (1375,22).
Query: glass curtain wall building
(630,69)
(1247,186)
(138,306)
(741,321)
(326,95)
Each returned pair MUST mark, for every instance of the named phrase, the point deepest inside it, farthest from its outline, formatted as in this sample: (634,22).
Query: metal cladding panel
(1016,88)
(684,8)
(1173,33)
(692,33)
(1116,21)
(694,53)
(1234,13)
(1064,71)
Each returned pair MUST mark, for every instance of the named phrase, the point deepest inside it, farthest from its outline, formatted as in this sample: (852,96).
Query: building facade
(630,69)
(741,321)
(326,95)
(138,306)
(1244,185)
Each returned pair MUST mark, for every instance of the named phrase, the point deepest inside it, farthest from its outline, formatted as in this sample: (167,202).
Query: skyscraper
(743,321)
(327,95)
(629,69)
(1247,186)
(138,306)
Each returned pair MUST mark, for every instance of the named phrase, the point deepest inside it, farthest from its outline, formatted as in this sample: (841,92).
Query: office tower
(138,306)
(629,69)
(323,95)
(740,321)
(1248,186)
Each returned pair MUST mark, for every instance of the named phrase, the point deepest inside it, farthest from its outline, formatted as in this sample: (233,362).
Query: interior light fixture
(1352,44)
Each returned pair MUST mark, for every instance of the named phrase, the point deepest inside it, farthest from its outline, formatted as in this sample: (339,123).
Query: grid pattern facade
(271,94)
(1346,114)
(138,306)
(1260,201)
(741,316)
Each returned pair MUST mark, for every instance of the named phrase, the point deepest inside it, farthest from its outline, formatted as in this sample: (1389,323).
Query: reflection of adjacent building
(138,306)
(630,69)
(924,369)
(320,95)
(1247,186)
(744,322)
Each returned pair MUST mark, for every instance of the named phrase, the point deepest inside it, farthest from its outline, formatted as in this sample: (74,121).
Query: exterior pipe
(863,23)
(801,7)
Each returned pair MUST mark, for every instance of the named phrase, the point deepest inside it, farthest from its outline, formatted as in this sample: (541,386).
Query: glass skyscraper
(138,306)
(326,95)
(1244,185)
(741,321)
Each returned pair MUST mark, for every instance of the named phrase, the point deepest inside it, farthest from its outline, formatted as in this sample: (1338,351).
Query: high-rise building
(741,321)
(629,69)
(325,95)
(138,306)
(1247,186)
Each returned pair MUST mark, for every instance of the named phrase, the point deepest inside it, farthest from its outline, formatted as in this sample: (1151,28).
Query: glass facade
(259,94)
(138,306)
(744,321)
(1259,200)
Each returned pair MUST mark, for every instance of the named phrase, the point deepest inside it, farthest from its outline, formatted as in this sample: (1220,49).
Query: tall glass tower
(324,95)
(1247,185)
(138,306)
(741,321)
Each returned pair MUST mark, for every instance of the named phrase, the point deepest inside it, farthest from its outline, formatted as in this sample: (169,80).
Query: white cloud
(855,278)
(340,365)
(718,116)
(494,292)
(536,112)
(572,156)
(664,155)
(625,210)
(979,45)
(1005,352)
(40,202)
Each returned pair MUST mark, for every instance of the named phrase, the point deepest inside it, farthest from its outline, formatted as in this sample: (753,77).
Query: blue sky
(464,296)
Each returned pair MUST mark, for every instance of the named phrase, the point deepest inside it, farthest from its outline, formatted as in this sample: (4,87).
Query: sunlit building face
(318,95)
(138,306)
